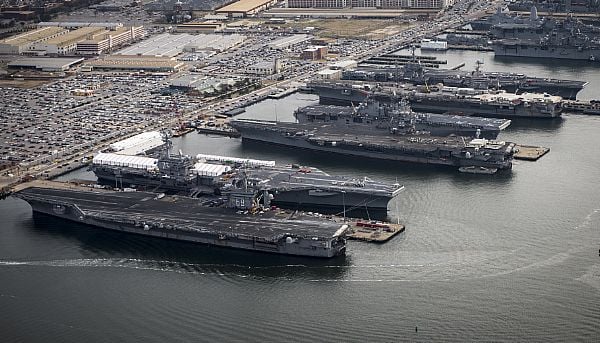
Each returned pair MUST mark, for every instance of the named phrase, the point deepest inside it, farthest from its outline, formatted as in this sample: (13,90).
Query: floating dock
(374,232)
(530,152)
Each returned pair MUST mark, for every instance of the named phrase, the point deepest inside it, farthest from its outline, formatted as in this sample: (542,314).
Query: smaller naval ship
(565,38)
(555,6)
(391,116)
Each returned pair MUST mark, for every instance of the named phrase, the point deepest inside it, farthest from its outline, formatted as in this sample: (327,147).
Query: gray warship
(235,222)
(568,38)
(416,74)
(443,99)
(398,116)
(554,6)
(417,147)
(502,15)
(290,186)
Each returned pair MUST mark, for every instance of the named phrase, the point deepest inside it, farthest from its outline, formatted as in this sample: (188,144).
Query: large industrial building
(134,63)
(287,41)
(65,44)
(264,68)
(171,45)
(205,26)
(106,41)
(243,8)
(382,4)
(23,42)
(45,64)
(77,24)
(57,40)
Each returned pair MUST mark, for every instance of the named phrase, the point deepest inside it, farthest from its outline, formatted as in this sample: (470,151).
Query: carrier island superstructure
(388,116)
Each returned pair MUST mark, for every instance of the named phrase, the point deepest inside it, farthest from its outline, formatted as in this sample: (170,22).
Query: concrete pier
(530,153)
(375,232)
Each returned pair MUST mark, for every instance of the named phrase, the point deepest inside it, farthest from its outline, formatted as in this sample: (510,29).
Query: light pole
(344,203)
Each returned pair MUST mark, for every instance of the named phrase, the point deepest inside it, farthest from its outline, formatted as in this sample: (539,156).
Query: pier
(530,152)
(374,232)
(584,107)
(280,93)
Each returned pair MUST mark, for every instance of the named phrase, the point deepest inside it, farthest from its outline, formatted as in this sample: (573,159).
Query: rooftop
(45,63)
(75,36)
(170,45)
(243,6)
(137,62)
(32,36)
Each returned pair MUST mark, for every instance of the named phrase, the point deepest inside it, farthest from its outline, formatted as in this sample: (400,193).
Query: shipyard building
(381,4)
(134,63)
(23,42)
(58,40)
(107,40)
(169,45)
(244,8)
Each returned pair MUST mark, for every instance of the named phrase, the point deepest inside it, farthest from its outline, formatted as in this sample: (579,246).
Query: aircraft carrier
(290,186)
(189,219)
(443,99)
(415,147)
(417,74)
(392,116)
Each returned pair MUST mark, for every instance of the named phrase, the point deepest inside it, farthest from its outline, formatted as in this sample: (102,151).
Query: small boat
(477,170)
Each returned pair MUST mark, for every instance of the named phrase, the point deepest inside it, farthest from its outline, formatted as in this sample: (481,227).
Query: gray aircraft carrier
(442,99)
(189,219)
(406,147)
(290,186)
(311,188)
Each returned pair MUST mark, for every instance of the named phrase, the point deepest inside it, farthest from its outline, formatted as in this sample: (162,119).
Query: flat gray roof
(56,63)
(170,45)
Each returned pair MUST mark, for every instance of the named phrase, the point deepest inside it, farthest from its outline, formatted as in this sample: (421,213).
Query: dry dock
(375,232)
(530,152)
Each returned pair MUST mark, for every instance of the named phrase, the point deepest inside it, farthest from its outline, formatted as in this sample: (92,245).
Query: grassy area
(22,83)
(343,28)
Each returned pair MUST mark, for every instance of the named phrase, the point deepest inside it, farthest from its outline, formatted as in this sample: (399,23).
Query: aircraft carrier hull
(367,120)
(331,200)
(565,92)
(184,219)
(373,147)
(558,52)
(307,199)
(440,103)
(445,105)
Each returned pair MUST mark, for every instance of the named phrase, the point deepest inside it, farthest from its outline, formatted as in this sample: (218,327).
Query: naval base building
(380,4)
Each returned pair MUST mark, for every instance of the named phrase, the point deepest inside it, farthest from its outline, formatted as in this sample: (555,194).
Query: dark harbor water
(484,258)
